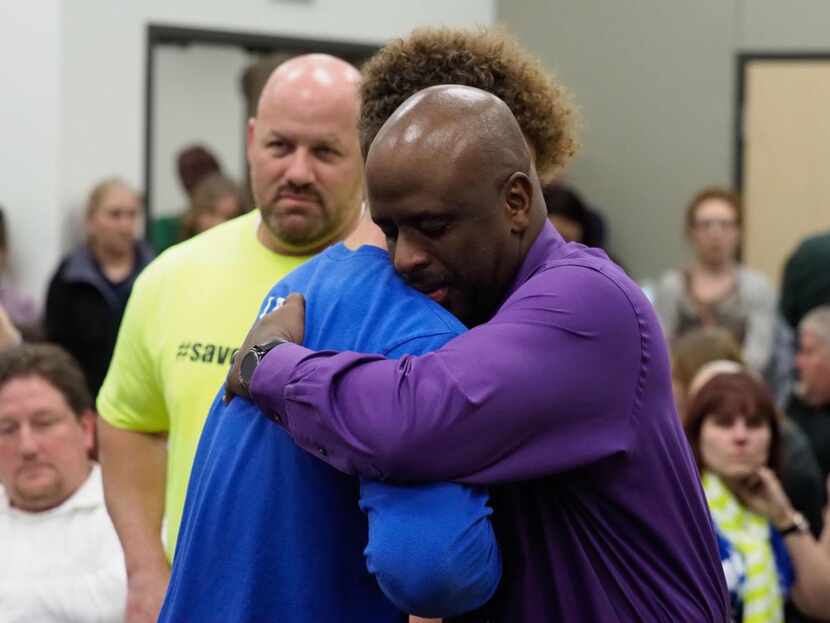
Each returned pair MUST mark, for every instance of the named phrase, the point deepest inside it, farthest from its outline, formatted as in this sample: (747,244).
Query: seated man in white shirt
(60,559)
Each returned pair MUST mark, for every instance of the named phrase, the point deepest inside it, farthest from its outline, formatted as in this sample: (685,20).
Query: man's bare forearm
(134,469)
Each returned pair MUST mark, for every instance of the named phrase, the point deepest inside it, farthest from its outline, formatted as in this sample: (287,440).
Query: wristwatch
(251,360)
(798,523)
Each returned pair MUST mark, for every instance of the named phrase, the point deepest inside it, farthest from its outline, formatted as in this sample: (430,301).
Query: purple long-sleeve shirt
(567,391)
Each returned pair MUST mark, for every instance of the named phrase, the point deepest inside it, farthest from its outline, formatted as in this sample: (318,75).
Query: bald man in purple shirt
(558,398)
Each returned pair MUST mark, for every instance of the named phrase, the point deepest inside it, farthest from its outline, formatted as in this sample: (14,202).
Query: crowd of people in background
(149,325)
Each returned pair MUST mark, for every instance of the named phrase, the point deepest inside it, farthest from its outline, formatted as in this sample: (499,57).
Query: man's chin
(299,236)
(41,496)
(465,313)
(296,230)
(802,391)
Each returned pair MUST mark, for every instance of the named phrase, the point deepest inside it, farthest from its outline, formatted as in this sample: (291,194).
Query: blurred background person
(806,281)
(19,309)
(800,474)
(692,351)
(193,163)
(89,290)
(715,290)
(701,354)
(215,199)
(809,405)
(572,217)
(61,559)
(768,552)
(9,335)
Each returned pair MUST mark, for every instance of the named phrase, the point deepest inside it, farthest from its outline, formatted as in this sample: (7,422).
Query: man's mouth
(439,295)
(304,198)
(32,469)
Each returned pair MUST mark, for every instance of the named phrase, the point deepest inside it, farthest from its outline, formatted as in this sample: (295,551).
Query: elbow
(392,452)
(398,449)
(394,459)
(431,581)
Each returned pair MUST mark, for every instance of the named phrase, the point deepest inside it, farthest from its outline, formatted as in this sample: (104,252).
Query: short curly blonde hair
(487,59)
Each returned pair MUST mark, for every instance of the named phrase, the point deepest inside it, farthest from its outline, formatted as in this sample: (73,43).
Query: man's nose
(408,256)
(300,170)
(28,441)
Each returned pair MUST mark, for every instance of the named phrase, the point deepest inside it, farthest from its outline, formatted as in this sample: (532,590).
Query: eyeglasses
(708,224)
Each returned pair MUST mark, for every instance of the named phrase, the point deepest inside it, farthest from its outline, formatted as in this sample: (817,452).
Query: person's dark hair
(487,59)
(54,365)
(740,394)
(563,201)
(194,164)
(714,192)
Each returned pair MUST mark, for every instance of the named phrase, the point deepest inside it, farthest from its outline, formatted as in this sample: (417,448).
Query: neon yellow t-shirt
(189,310)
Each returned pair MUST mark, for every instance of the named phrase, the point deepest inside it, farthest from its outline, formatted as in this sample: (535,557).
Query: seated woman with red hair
(768,552)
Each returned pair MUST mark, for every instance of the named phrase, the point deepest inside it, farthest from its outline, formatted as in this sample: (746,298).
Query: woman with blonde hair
(88,292)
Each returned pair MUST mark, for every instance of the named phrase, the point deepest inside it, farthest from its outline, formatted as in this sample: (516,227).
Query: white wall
(79,76)
(29,113)
(653,81)
(656,84)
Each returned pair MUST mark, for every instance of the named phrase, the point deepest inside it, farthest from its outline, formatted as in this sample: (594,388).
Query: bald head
(309,77)
(470,126)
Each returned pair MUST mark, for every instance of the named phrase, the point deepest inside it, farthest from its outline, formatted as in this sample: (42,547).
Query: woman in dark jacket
(89,291)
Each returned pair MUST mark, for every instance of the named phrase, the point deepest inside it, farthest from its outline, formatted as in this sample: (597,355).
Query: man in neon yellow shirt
(191,306)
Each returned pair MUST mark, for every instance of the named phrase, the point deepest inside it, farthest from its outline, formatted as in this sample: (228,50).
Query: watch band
(252,358)
(263,349)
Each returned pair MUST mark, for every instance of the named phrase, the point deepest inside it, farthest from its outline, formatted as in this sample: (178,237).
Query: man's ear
(88,420)
(517,200)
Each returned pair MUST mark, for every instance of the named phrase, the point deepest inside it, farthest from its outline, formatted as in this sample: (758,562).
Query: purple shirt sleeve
(552,383)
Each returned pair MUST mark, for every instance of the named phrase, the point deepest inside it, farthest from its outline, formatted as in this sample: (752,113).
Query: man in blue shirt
(271,533)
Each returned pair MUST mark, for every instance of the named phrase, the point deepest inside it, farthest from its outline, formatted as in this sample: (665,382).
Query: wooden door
(786,157)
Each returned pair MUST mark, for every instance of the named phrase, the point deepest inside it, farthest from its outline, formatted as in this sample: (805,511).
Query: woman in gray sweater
(715,290)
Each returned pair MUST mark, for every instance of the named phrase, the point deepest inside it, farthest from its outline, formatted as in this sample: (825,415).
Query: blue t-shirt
(271,533)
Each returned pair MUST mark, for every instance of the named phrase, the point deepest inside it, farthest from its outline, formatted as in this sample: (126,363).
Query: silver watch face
(247,366)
